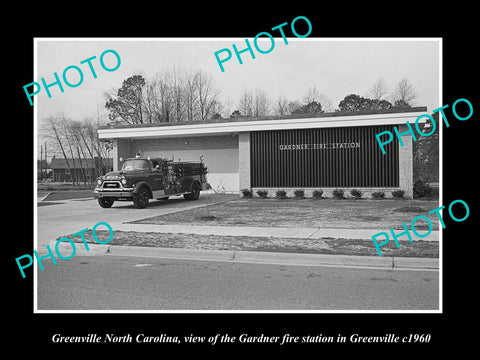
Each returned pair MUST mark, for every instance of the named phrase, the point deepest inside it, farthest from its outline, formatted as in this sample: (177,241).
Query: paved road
(128,283)
(71,216)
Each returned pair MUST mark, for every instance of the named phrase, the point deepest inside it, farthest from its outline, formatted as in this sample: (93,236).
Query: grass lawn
(425,249)
(69,194)
(63,191)
(44,203)
(52,186)
(324,213)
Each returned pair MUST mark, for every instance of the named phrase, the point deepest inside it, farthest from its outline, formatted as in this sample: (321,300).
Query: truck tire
(140,199)
(105,203)
(194,194)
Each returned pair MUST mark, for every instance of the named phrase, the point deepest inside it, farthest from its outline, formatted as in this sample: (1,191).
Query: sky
(335,66)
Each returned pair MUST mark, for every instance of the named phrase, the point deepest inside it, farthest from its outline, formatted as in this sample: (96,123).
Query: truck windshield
(136,164)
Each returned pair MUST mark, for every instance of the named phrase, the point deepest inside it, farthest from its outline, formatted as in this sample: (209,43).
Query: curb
(68,200)
(274,258)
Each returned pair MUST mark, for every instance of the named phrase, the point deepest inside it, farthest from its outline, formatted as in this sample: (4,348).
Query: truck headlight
(99,182)
(124,181)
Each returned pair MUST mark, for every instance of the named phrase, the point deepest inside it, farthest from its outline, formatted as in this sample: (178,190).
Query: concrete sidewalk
(276,232)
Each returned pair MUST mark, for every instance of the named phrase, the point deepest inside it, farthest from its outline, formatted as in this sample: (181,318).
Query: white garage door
(222,165)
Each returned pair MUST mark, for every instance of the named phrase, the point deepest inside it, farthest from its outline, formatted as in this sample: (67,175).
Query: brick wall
(244,160)
(185,143)
(121,149)
(405,162)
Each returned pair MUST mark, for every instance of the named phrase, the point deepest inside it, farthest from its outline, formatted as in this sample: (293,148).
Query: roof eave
(219,128)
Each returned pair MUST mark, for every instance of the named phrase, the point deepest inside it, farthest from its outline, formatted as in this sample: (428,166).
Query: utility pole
(41,156)
(45,159)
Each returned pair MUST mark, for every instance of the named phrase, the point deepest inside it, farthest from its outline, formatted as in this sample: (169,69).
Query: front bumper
(113,193)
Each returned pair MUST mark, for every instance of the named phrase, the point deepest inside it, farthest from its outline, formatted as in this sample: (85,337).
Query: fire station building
(322,151)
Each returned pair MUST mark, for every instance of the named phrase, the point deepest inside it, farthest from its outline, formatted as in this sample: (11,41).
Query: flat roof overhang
(222,128)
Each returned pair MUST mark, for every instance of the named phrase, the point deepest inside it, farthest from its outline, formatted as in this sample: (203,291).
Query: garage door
(222,165)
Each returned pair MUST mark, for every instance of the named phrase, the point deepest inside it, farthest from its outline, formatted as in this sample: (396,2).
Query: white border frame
(35,143)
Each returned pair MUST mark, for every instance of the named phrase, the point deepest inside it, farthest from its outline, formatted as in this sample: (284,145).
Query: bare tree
(64,128)
(254,103)
(150,105)
(164,96)
(75,129)
(281,105)
(404,92)
(177,94)
(87,132)
(313,95)
(51,128)
(227,106)
(245,103)
(102,147)
(157,100)
(92,152)
(260,104)
(378,90)
(326,103)
(190,96)
(207,94)
(79,145)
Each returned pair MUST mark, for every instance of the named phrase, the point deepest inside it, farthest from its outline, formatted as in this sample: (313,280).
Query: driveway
(71,216)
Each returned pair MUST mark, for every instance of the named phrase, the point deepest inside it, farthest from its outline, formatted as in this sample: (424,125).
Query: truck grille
(111,185)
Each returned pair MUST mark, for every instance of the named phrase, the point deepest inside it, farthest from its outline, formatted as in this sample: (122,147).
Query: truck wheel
(195,194)
(105,203)
(140,199)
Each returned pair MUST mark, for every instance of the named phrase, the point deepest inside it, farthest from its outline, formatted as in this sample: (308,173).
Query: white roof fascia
(200,129)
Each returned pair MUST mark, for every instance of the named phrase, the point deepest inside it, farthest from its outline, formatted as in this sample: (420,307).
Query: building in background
(79,170)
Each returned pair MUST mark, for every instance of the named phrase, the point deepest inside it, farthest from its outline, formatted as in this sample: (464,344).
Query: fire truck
(141,179)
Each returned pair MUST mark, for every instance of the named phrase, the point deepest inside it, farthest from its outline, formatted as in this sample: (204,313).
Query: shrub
(262,193)
(338,193)
(317,194)
(378,195)
(299,194)
(281,194)
(422,189)
(398,194)
(357,194)
(247,193)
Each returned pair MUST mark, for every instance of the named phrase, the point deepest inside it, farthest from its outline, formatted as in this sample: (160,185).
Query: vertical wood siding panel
(342,167)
